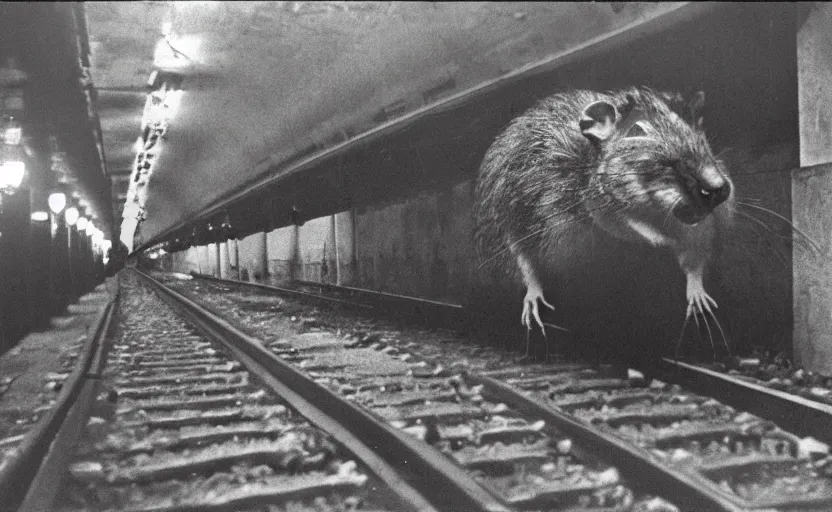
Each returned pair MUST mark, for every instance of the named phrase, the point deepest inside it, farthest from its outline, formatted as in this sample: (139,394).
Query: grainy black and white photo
(415,256)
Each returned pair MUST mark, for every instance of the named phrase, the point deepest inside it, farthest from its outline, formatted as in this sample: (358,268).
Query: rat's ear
(598,120)
(697,105)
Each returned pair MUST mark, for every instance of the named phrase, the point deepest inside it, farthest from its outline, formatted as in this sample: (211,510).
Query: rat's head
(654,154)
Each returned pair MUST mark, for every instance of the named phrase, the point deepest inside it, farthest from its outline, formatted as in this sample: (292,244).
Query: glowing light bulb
(57,202)
(71,215)
(11,175)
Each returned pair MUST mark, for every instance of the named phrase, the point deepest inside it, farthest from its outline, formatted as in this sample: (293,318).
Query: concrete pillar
(280,246)
(294,259)
(204,259)
(234,254)
(345,247)
(331,252)
(314,247)
(254,256)
(262,255)
(812,191)
(225,261)
(192,258)
(215,260)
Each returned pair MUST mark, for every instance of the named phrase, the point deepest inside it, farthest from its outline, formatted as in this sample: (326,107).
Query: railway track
(526,462)
(223,396)
(743,451)
(184,423)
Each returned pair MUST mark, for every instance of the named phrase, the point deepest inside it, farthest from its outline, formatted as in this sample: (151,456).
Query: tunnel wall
(279,246)
(812,190)
(421,247)
(316,250)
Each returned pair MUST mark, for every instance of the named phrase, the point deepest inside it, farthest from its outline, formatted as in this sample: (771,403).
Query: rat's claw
(700,303)
(537,317)
(698,299)
(530,308)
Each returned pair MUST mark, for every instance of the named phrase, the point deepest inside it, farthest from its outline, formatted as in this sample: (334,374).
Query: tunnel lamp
(172,101)
(82,224)
(153,256)
(71,215)
(40,216)
(11,175)
(13,133)
(57,202)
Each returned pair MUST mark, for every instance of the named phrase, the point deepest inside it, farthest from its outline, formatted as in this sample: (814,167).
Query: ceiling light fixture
(40,216)
(72,215)
(57,202)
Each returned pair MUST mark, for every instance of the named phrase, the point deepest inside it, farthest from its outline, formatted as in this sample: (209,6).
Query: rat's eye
(637,130)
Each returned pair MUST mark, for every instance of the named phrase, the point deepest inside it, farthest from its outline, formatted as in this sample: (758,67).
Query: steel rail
(423,476)
(27,482)
(429,311)
(384,295)
(689,490)
(790,412)
(286,291)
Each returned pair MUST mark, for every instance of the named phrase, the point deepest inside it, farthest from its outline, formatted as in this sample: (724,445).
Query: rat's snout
(708,188)
(713,187)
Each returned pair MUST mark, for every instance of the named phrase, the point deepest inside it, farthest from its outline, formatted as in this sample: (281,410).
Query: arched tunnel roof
(268,81)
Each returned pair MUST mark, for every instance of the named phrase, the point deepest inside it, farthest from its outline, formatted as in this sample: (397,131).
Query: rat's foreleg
(534,292)
(699,302)
(698,299)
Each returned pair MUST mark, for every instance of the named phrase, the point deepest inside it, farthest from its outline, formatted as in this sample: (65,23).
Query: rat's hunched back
(635,163)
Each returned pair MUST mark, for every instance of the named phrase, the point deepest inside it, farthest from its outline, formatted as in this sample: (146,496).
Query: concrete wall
(204,257)
(185,261)
(421,247)
(280,246)
(253,261)
(813,272)
(317,250)
(814,51)
(753,270)
(345,248)
(812,190)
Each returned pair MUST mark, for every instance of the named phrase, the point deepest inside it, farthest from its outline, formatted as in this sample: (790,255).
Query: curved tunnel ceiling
(272,79)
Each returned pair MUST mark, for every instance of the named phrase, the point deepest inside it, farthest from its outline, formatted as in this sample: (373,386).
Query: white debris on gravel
(811,447)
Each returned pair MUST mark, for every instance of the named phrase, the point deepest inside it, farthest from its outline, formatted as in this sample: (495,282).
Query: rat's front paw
(530,307)
(698,299)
